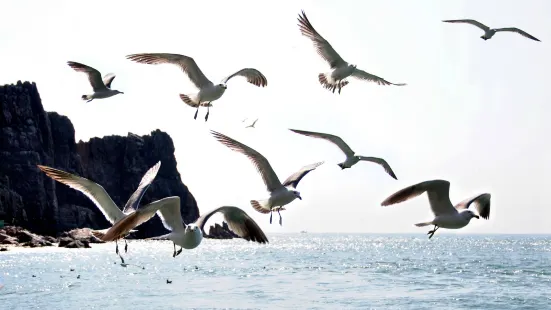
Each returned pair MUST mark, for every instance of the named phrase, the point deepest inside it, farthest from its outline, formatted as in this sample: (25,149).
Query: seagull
(252,125)
(489,32)
(445,214)
(351,158)
(189,236)
(103,201)
(340,69)
(280,193)
(208,92)
(101,87)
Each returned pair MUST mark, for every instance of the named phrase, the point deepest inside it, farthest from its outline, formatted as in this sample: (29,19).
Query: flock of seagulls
(190,235)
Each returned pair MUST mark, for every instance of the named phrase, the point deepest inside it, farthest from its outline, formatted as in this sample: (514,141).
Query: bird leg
(125,246)
(179,251)
(197,111)
(116,247)
(340,87)
(280,219)
(122,259)
(271,216)
(174,253)
(431,232)
(208,111)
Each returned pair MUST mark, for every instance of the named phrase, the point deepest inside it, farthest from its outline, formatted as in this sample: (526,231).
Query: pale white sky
(474,112)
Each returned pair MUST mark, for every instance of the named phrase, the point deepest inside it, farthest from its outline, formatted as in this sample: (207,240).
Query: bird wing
(332,138)
(187,64)
(482,204)
(92,190)
(134,200)
(468,21)
(108,79)
(381,162)
(521,32)
(437,190)
(297,176)
(362,75)
(171,215)
(253,76)
(124,226)
(324,49)
(255,121)
(94,77)
(238,221)
(261,163)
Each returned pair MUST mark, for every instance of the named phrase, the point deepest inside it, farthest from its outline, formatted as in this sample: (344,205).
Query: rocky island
(38,211)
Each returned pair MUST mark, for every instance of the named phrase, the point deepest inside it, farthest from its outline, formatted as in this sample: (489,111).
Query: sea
(294,271)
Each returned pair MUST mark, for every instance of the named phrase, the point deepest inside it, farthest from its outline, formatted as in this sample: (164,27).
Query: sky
(474,112)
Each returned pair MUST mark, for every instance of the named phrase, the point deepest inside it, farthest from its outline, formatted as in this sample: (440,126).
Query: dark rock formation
(30,199)
(218,231)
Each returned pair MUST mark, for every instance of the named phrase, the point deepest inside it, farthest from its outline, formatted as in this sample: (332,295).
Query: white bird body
(102,87)
(123,222)
(490,32)
(208,92)
(281,194)
(351,157)
(446,215)
(189,238)
(340,69)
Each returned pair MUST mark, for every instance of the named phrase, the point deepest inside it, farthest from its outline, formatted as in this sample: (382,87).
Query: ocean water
(295,271)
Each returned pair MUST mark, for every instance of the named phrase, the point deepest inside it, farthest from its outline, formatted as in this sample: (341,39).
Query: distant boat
(303,231)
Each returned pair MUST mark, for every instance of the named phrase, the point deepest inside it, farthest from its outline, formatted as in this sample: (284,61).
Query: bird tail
(423,224)
(328,82)
(190,100)
(99,233)
(261,206)
(86,97)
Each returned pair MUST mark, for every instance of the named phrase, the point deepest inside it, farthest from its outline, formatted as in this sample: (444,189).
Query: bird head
(119,92)
(353,66)
(224,86)
(191,228)
(297,194)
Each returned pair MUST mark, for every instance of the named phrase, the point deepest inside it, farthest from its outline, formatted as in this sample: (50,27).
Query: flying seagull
(208,92)
(351,158)
(103,201)
(101,87)
(340,69)
(189,236)
(280,193)
(445,214)
(490,32)
(252,125)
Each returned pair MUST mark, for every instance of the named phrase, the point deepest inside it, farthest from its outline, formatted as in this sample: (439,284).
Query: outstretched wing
(94,77)
(108,79)
(362,75)
(468,21)
(124,226)
(187,64)
(324,49)
(92,190)
(482,204)
(521,32)
(260,162)
(171,216)
(297,176)
(134,200)
(381,162)
(437,190)
(238,221)
(253,76)
(331,138)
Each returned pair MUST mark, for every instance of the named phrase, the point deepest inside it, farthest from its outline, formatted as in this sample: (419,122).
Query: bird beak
(299,197)
(478,217)
(122,92)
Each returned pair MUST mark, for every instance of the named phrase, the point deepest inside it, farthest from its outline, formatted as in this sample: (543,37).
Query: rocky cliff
(31,136)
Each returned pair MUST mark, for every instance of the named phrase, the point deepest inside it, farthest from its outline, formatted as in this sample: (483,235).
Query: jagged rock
(78,244)
(31,136)
(218,231)
(3,249)
(14,235)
